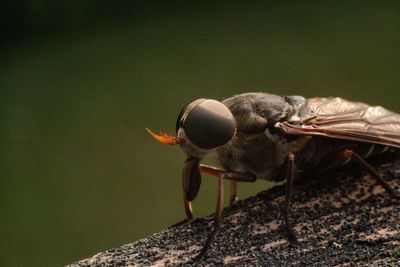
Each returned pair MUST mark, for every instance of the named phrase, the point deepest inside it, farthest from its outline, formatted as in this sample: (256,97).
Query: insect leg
(221,175)
(229,175)
(343,157)
(191,179)
(189,214)
(233,197)
(188,210)
(329,162)
(289,173)
(217,218)
(369,169)
(233,176)
(187,204)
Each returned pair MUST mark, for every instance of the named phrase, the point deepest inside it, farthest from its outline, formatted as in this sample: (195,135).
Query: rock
(342,217)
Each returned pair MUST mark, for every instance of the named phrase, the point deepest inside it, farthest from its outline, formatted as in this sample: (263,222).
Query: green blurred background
(80,80)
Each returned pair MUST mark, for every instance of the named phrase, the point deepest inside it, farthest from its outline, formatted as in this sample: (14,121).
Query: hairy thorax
(261,154)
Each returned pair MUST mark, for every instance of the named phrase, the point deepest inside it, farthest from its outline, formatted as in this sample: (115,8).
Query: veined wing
(343,119)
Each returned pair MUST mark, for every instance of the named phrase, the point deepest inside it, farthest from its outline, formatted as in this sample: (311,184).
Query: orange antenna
(164,138)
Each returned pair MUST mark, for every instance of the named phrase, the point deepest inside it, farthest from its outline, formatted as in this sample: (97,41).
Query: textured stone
(341,218)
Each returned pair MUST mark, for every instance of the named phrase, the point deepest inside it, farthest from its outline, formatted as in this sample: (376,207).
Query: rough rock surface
(341,218)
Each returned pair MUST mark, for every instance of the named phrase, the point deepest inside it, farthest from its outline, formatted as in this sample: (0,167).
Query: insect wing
(343,119)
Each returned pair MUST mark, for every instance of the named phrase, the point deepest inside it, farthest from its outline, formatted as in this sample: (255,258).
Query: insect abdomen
(320,148)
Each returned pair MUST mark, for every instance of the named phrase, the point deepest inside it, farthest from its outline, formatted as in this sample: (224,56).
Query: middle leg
(217,218)
(230,175)
(233,197)
(221,175)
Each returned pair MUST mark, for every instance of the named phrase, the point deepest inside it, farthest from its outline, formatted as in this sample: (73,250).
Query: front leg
(191,180)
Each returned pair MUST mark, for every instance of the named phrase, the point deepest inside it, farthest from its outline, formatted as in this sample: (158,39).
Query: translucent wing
(343,119)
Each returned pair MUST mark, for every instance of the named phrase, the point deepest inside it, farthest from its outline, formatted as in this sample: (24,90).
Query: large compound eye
(209,124)
(179,119)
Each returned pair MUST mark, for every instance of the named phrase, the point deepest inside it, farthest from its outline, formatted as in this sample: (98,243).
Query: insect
(266,136)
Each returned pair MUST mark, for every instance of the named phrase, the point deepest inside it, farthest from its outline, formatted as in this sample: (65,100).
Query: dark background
(80,80)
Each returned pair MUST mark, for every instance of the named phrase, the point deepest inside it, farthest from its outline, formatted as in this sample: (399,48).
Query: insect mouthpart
(164,138)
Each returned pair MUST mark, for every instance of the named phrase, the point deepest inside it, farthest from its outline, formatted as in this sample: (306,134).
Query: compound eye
(179,119)
(209,124)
